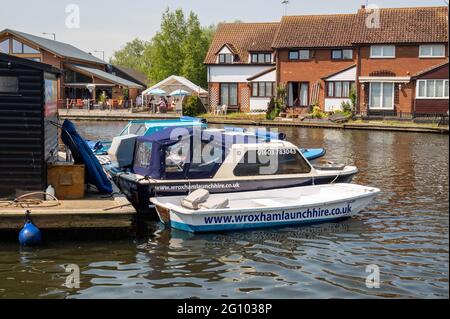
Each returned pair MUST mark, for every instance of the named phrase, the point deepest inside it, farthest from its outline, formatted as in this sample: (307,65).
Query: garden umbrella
(157,91)
(179,93)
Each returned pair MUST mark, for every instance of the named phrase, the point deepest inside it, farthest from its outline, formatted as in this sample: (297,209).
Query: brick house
(394,59)
(84,75)
(240,65)
(316,60)
(408,43)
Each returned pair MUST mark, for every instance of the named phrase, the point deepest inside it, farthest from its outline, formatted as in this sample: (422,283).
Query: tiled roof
(314,31)
(404,25)
(244,38)
(429,69)
(56,47)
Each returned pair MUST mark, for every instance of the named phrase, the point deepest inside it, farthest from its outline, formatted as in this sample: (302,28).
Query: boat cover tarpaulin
(83,154)
(163,139)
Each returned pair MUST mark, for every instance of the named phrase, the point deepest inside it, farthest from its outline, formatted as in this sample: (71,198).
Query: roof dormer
(227,54)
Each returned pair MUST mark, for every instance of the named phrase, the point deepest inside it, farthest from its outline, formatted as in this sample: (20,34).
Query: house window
(261,58)
(304,55)
(339,88)
(434,89)
(75,77)
(299,55)
(382,51)
(298,94)
(19,47)
(293,55)
(4,46)
(381,95)
(263,89)
(9,84)
(432,51)
(346,54)
(225,58)
(228,94)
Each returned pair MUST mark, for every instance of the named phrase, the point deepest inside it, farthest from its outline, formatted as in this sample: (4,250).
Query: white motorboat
(200,212)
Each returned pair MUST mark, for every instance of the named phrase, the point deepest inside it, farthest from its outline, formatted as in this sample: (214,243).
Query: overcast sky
(108,24)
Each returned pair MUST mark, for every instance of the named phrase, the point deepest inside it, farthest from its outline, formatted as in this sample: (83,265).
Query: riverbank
(258,120)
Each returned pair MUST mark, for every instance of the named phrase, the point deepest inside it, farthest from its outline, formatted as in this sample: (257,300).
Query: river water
(404,232)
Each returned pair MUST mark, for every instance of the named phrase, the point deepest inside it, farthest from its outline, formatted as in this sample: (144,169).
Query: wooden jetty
(93,212)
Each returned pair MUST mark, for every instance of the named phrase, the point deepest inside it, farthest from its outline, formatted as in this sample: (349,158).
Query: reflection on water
(404,231)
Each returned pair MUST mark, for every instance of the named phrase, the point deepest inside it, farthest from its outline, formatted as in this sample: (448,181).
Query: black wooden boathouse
(28,140)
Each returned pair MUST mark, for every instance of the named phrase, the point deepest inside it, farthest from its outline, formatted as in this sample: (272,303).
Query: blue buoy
(30,235)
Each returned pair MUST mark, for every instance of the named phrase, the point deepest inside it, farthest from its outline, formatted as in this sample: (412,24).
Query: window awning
(105,76)
(391,79)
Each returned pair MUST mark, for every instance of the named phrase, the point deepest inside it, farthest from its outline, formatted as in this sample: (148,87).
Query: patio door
(381,96)
(298,95)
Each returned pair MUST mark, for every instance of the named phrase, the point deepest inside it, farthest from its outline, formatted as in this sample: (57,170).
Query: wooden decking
(93,212)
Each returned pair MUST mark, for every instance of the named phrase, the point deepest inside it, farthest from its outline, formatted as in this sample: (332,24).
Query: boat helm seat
(193,200)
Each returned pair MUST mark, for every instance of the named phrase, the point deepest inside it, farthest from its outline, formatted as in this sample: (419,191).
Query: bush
(347,108)
(317,113)
(273,110)
(193,106)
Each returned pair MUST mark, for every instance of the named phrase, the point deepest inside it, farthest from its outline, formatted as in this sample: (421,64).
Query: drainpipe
(358,88)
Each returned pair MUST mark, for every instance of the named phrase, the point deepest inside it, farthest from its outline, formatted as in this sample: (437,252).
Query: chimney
(363,6)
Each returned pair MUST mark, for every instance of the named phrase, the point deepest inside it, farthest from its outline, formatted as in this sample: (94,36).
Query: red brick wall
(406,63)
(312,71)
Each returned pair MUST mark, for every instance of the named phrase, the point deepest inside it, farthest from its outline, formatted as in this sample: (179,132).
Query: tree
(194,49)
(179,48)
(166,54)
(132,56)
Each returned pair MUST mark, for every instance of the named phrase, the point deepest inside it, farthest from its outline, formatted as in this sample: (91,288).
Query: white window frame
(225,54)
(382,97)
(304,51)
(382,56)
(431,56)
(444,97)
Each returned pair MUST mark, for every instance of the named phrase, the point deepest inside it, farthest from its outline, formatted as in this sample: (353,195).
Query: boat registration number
(280,151)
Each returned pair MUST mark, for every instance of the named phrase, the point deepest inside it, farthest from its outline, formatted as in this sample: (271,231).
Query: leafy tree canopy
(178,48)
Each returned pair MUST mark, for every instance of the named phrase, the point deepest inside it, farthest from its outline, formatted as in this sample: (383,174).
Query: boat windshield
(135,128)
(272,162)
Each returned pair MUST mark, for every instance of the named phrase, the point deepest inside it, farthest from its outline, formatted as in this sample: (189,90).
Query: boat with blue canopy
(176,160)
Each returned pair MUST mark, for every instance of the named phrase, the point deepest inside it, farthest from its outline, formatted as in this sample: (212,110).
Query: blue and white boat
(263,209)
(147,128)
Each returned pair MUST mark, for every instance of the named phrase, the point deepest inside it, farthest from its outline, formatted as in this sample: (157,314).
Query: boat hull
(258,218)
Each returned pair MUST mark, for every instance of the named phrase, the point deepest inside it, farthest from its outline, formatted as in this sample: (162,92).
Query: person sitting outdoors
(162,105)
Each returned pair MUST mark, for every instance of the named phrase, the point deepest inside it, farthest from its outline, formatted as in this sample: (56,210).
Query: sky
(106,25)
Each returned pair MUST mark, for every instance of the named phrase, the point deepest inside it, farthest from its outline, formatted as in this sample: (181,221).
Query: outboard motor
(122,150)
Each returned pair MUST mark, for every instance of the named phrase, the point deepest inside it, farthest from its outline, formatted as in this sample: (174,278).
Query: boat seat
(193,200)
(215,203)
